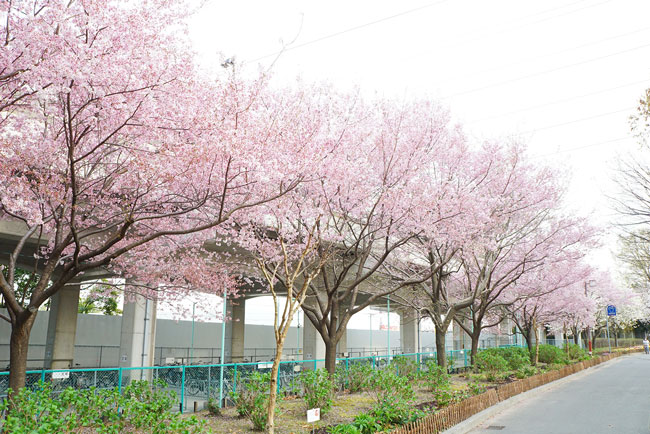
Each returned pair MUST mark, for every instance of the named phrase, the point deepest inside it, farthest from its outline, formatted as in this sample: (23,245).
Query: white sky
(563,75)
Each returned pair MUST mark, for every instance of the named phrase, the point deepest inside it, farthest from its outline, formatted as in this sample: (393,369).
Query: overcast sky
(564,76)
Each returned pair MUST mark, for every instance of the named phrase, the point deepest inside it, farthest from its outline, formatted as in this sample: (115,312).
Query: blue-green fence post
(234,381)
(42,375)
(119,380)
(183,389)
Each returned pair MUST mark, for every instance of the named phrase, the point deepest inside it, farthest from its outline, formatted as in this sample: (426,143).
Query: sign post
(611,311)
(313,415)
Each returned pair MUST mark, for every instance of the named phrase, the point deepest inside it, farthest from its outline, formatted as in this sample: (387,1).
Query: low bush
(516,357)
(434,376)
(318,390)
(143,407)
(253,398)
(476,388)
(355,377)
(493,365)
(213,407)
(405,367)
(552,355)
(386,387)
(525,371)
(576,352)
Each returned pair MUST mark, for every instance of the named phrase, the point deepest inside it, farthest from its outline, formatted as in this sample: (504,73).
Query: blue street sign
(611,310)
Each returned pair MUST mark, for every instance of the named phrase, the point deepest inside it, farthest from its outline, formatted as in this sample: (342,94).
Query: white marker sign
(60,375)
(313,415)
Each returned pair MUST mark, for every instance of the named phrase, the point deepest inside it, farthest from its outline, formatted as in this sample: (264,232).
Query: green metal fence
(194,385)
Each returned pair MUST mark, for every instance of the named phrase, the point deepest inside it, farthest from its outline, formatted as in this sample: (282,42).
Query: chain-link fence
(195,385)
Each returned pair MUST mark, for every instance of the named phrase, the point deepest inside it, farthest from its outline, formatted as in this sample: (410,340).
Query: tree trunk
(441,353)
(273,392)
(474,351)
(530,342)
(535,356)
(330,357)
(18,347)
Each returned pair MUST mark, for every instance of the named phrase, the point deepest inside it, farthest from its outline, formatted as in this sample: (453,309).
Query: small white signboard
(313,415)
(60,375)
(264,365)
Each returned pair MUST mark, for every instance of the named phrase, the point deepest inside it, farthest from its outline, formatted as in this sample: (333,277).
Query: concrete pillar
(313,345)
(342,346)
(235,331)
(458,336)
(62,328)
(138,336)
(408,331)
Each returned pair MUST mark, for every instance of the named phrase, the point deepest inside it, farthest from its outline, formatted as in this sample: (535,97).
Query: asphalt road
(613,398)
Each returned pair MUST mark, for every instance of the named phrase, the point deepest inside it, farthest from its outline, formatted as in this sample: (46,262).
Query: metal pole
(192,352)
(608,342)
(370,316)
(298,335)
(388,321)
(223,349)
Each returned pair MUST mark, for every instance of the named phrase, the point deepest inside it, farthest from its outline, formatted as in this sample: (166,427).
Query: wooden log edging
(456,413)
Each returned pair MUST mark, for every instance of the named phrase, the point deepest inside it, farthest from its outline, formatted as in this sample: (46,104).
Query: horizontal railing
(196,384)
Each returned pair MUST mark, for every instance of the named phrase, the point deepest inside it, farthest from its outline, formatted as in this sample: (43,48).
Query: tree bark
(474,351)
(273,392)
(19,345)
(330,357)
(535,356)
(441,353)
(530,342)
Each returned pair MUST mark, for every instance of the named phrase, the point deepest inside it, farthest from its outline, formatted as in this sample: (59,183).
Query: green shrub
(213,407)
(346,428)
(552,355)
(319,389)
(386,387)
(525,371)
(434,376)
(576,352)
(405,367)
(388,416)
(516,357)
(355,377)
(476,388)
(142,407)
(366,423)
(491,363)
(253,398)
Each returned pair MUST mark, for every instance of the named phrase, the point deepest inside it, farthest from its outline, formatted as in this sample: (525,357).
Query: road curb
(477,419)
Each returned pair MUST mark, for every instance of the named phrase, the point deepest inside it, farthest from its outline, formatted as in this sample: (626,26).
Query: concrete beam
(62,328)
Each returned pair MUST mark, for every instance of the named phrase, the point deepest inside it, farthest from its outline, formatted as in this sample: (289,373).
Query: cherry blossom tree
(118,156)
(543,296)
(377,200)
(528,233)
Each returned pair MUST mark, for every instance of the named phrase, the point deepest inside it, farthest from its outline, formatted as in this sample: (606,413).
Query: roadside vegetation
(357,399)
